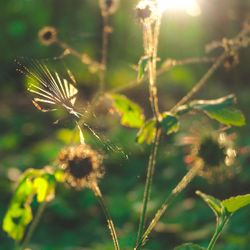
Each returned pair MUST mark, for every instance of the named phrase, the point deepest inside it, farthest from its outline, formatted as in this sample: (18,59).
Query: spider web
(50,91)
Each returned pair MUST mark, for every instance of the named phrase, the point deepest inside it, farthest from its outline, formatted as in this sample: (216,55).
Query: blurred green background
(28,138)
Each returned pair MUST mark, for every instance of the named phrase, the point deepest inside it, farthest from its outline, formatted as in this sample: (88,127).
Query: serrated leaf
(235,203)
(212,202)
(221,110)
(130,112)
(189,246)
(142,67)
(170,123)
(147,132)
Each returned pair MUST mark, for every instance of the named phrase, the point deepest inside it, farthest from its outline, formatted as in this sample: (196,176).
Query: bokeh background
(29,138)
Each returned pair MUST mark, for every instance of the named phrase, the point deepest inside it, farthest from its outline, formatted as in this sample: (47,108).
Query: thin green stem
(177,190)
(148,184)
(217,233)
(33,225)
(109,220)
(150,39)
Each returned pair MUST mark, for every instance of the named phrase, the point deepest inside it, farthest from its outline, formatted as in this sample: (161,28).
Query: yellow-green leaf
(212,202)
(130,112)
(233,204)
(147,132)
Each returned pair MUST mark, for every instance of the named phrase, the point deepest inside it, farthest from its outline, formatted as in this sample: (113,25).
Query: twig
(167,65)
(110,223)
(177,190)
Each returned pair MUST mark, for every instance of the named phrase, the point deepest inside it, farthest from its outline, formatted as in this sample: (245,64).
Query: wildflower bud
(82,166)
(47,35)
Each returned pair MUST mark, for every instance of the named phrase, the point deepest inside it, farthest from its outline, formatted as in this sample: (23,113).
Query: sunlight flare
(191,7)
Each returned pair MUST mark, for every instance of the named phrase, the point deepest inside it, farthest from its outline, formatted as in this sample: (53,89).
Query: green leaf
(221,110)
(131,113)
(147,132)
(170,123)
(235,203)
(142,66)
(212,202)
(228,116)
(189,246)
(39,182)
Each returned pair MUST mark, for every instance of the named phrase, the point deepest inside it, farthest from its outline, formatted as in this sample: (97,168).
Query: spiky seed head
(82,166)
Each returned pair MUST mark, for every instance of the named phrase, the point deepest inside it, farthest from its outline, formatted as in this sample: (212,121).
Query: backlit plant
(79,166)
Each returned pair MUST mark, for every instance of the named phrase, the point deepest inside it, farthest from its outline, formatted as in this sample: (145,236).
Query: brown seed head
(47,35)
(82,166)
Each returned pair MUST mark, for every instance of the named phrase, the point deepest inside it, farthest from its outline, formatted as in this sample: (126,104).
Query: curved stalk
(217,232)
(177,190)
(110,223)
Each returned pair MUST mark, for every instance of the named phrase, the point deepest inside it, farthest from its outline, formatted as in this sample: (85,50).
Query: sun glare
(191,7)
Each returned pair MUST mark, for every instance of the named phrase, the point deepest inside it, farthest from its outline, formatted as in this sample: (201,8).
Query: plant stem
(169,63)
(105,40)
(110,223)
(217,232)
(177,190)
(150,39)
(148,184)
(33,225)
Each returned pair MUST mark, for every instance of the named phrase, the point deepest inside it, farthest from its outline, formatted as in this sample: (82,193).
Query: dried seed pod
(146,11)
(82,166)
(47,35)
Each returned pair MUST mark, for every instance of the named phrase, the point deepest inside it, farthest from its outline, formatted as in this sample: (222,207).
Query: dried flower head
(47,35)
(82,166)
(218,153)
(108,7)
(146,11)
